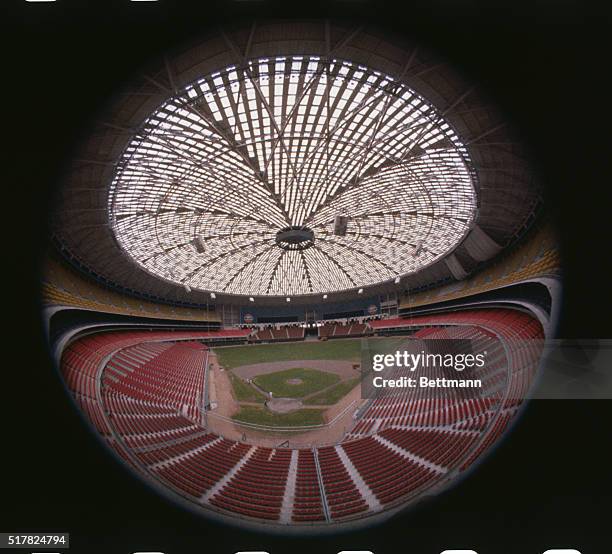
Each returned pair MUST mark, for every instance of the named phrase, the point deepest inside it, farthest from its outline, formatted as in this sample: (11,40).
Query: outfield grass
(262,416)
(333,394)
(236,356)
(313,380)
(243,391)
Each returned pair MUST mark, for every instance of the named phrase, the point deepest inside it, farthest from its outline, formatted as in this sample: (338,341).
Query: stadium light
(288,299)
(397,280)
(213,295)
(251,299)
(360,291)
(325,297)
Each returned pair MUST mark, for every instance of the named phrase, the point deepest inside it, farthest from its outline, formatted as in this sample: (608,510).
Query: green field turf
(333,394)
(342,349)
(262,416)
(313,381)
(243,391)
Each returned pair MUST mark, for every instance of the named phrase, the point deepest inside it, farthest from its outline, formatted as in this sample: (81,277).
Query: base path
(220,388)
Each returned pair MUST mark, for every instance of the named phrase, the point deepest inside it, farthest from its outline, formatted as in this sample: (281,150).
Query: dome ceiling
(289,176)
(291,159)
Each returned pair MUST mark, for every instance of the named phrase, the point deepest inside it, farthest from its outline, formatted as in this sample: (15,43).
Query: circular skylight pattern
(290,176)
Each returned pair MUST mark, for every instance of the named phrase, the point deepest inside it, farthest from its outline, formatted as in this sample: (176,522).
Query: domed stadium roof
(292,159)
(213,190)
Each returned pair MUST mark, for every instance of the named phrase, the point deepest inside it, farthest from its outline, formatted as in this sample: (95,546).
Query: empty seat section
(258,487)
(307,503)
(388,474)
(342,495)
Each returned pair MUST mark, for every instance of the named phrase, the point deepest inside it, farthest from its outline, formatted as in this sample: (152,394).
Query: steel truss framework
(211,177)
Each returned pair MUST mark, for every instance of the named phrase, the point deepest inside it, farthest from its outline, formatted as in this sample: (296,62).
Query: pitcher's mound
(294,381)
(283,405)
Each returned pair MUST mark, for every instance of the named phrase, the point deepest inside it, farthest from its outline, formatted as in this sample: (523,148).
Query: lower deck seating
(307,503)
(199,471)
(442,448)
(170,373)
(258,487)
(388,474)
(341,492)
(143,394)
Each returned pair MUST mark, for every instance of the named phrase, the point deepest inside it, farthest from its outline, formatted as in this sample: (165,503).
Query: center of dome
(295,237)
